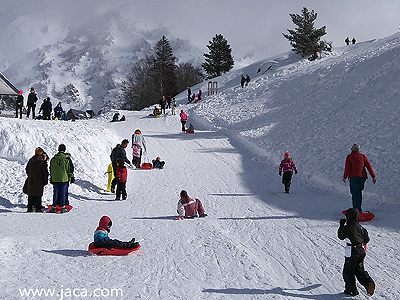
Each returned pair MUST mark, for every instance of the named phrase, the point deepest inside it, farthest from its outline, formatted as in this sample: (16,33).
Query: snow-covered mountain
(83,64)
(257,242)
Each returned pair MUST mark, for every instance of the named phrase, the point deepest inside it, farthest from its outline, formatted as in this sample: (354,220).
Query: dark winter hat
(355,148)
(39,151)
(32,89)
(62,148)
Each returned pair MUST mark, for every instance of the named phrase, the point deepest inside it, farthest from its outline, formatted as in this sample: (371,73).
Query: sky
(249,27)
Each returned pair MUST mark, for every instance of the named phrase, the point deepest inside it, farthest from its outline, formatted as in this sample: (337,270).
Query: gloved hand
(342,222)
(72,180)
(295,172)
(280,173)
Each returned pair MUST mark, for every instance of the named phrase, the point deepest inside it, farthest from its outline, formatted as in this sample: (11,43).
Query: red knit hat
(286,155)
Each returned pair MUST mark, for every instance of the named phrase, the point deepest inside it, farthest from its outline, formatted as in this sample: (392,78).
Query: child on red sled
(101,239)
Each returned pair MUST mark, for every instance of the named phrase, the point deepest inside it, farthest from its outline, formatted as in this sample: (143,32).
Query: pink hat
(286,155)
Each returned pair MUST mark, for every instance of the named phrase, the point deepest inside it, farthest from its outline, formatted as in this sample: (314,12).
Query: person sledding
(158,163)
(156,112)
(101,239)
(189,208)
(190,129)
(287,165)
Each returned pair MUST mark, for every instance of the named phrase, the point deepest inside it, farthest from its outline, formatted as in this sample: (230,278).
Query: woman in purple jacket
(287,165)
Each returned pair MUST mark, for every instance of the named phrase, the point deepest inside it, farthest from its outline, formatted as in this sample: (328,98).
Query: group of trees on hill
(158,74)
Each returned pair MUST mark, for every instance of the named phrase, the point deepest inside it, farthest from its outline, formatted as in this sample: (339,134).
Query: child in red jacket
(121,176)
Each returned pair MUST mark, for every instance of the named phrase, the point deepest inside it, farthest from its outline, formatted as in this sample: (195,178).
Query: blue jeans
(59,190)
(356,187)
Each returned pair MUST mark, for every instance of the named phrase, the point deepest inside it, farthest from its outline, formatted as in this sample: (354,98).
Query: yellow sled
(110,173)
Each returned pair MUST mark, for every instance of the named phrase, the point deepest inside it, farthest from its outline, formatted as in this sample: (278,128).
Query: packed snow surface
(257,242)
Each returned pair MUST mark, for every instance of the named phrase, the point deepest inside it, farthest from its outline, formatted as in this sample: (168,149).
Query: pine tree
(305,38)
(220,59)
(164,67)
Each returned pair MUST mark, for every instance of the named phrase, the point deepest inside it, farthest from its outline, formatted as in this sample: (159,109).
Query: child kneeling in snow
(187,207)
(101,239)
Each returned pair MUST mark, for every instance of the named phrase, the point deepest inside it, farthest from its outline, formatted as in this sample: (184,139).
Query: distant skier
(287,165)
(46,108)
(356,236)
(353,41)
(58,111)
(354,169)
(347,41)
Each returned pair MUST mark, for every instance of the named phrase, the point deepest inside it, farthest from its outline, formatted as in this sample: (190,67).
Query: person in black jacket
(19,103)
(118,152)
(356,236)
(31,104)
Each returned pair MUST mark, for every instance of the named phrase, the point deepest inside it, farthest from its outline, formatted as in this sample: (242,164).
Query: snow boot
(53,209)
(202,215)
(371,288)
(64,210)
(351,293)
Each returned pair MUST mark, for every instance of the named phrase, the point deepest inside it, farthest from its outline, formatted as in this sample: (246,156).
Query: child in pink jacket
(187,207)
(287,165)
(184,118)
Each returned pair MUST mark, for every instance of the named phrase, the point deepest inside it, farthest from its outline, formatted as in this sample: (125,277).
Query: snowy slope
(257,242)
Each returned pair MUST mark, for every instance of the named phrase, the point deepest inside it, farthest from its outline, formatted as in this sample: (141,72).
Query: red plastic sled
(58,207)
(147,166)
(189,131)
(364,217)
(113,251)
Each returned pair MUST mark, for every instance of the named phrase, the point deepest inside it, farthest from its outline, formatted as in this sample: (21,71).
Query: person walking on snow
(184,118)
(354,169)
(356,236)
(287,165)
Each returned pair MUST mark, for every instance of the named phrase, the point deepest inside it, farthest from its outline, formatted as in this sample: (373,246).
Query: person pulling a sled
(356,236)
(101,239)
(187,207)
(287,165)
(354,169)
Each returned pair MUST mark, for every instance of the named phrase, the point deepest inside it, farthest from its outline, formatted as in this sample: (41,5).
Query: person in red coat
(354,169)
(121,176)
